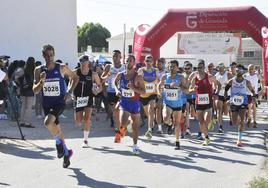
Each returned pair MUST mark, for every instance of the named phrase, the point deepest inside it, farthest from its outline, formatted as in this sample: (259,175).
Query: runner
(202,84)
(160,64)
(171,85)
(150,77)
(190,105)
(253,78)
(49,79)
(223,76)
(239,100)
(109,74)
(83,94)
(129,85)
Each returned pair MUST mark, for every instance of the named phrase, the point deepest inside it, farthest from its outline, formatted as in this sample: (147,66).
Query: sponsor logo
(191,20)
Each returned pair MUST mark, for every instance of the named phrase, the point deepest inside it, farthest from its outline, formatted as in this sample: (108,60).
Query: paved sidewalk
(32,163)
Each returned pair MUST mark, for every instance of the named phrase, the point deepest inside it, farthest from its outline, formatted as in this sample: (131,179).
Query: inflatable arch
(247,18)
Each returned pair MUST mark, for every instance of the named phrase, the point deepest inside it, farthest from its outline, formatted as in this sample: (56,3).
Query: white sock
(135,146)
(160,127)
(150,129)
(86,133)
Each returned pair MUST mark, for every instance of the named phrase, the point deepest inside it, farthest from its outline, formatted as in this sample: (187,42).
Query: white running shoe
(85,144)
(135,150)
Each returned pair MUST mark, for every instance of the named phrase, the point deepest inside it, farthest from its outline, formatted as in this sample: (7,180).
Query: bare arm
(184,87)
(96,79)
(249,86)
(106,72)
(39,79)
(116,79)
(139,86)
(212,79)
(160,85)
(72,77)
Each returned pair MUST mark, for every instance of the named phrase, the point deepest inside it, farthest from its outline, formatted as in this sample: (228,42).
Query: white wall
(118,45)
(26,25)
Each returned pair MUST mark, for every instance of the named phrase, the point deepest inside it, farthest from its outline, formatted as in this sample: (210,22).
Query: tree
(92,34)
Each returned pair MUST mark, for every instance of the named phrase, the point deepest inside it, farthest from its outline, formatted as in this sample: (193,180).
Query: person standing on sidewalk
(49,79)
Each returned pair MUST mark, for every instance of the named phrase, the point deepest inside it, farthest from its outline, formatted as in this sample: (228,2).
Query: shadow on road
(25,149)
(83,180)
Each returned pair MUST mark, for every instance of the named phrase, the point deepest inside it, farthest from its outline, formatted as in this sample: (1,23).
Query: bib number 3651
(203,99)
(172,94)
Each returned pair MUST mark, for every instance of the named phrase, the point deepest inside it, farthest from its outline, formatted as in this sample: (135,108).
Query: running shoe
(182,135)
(220,130)
(177,145)
(199,137)
(169,130)
(239,143)
(210,126)
(122,132)
(159,132)
(254,124)
(85,144)
(117,138)
(149,135)
(206,142)
(66,159)
(60,150)
(135,150)
(188,132)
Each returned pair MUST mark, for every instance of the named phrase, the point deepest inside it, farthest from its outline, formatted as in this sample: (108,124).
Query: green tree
(92,34)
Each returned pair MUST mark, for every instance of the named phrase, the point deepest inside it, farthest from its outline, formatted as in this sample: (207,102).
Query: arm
(106,72)
(140,87)
(227,87)
(184,87)
(116,79)
(96,79)
(192,87)
(39,79)
(72,77)
(212,79)
(160,85)
(251,89)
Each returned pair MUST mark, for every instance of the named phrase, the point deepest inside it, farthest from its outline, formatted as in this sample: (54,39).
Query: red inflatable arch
(248,19)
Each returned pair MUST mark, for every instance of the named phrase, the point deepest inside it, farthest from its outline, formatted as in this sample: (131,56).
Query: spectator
(26,92)
(38,99)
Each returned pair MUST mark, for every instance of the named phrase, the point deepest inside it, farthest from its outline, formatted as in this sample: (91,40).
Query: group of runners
(163,92)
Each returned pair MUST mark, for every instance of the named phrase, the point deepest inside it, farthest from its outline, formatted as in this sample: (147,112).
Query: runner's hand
(67,97)
(118,94)
(42,76)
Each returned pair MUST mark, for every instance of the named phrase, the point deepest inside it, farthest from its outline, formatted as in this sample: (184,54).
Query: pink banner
(265,54)
(138,41)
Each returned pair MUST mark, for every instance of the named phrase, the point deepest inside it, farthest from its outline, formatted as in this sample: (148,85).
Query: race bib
(128,93)
(51,89)
(81,101)
(203,99)
(172,94)
(238,100)
(150,87)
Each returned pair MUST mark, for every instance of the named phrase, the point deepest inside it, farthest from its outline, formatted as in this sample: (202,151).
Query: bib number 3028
(51,89)
(203,99)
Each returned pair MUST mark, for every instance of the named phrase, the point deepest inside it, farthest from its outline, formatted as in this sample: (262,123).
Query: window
(248,54)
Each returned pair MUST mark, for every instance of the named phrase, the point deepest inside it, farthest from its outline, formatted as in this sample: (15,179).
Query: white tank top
(223,79)
(110,80)
(254,82)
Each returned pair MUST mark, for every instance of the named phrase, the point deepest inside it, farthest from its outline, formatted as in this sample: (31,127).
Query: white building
(26,25)
(251,51)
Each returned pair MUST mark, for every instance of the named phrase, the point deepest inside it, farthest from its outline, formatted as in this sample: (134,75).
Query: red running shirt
(203,91)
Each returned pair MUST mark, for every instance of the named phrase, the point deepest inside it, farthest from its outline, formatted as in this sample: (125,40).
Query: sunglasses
(186,68)
(148,60)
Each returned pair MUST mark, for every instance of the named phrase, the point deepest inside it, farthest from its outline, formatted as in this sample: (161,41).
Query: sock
(66,151)
(207,137)
(149,129)
(239,136)
(58,140)
(86,133)
(135,146)
(199,134)
(159,127)
(177,139)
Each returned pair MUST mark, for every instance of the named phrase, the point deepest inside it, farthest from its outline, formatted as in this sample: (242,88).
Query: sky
(113,14)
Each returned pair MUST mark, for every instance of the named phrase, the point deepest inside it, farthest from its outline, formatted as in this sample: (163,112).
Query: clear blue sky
(112,14)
